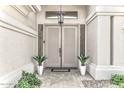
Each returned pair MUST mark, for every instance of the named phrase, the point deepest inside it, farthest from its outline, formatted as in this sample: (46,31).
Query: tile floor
(71,79)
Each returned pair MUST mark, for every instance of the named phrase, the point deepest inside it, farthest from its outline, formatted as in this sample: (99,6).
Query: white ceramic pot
(40,70)
(82,70)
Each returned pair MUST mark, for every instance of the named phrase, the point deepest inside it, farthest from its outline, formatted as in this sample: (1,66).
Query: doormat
(60,70)
(96,83)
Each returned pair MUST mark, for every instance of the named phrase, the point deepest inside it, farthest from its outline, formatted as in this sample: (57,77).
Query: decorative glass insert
(67,14)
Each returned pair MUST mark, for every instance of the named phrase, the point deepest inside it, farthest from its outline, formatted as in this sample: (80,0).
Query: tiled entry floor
(71,79)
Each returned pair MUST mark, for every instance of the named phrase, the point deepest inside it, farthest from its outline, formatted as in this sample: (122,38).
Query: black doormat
(96,83)
(60,70)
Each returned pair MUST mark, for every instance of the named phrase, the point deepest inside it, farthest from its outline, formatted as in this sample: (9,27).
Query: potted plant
(40,60)
(82,65)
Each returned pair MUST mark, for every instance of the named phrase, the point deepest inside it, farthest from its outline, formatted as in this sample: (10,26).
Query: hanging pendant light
(60,16)
(60,22)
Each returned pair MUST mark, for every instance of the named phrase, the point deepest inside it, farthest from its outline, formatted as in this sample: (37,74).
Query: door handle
(43,41)
(60,52)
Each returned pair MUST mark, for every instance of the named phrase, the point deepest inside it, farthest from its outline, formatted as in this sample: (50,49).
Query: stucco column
(103,40)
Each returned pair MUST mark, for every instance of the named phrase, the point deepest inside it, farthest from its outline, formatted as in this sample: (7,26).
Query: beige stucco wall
(16,50)
(108,31)
(91,38)
(103,40)
(103,29)
(118,40)
(81,13)
(98,40)
(18,43)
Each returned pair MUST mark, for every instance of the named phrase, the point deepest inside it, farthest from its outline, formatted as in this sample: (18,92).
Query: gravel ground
(98,84)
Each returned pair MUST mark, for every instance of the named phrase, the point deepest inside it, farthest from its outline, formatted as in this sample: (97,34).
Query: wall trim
(10,79)
(99,72)
(10,23)
(95,14)
(66,24)
(20,10)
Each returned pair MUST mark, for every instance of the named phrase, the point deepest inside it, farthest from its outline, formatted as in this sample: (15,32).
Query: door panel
(69,49)
(52,46)
(69,46)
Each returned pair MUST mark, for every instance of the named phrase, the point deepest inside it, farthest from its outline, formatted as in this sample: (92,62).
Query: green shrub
(83,59)
(118,80)
(23,84)
(40,59)
(28,80)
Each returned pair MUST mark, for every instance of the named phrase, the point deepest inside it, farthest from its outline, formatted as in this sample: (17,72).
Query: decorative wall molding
(20,9)
(90,18)
(95,14)
(10,23)
(110,9)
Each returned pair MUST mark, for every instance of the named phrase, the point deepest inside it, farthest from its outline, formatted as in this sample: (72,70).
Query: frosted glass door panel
(52,46)
(69,48)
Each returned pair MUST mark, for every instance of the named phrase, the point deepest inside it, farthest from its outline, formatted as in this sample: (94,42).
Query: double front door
(61,46)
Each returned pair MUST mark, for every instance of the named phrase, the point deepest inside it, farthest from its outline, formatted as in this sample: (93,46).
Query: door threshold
(60,70)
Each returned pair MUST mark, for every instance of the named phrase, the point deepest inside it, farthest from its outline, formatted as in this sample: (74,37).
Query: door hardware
(44,41)
(60,52)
